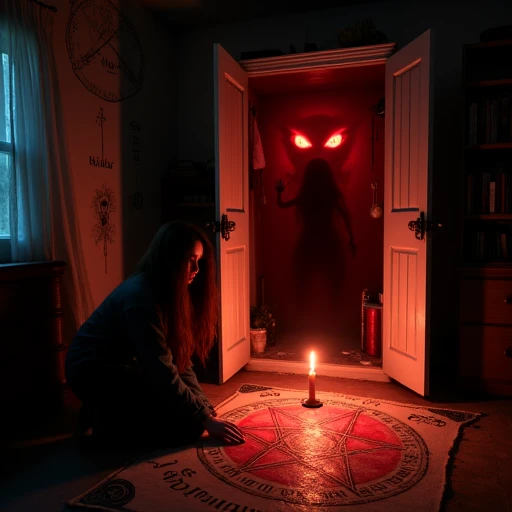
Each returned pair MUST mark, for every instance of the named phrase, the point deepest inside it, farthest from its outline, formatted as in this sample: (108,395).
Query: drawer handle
(508,352)
(508,299)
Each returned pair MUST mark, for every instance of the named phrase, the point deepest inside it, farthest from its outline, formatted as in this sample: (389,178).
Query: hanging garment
(258,158)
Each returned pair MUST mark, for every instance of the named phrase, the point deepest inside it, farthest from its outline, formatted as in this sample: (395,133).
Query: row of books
(490,119)
(488,192)
(491,245)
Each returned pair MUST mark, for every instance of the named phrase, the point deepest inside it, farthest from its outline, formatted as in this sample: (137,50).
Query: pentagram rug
(353,453)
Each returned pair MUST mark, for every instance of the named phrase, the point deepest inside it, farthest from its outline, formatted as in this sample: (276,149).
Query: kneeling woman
(130,362)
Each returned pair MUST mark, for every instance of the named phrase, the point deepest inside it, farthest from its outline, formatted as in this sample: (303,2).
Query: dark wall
(303,246)
(455,24)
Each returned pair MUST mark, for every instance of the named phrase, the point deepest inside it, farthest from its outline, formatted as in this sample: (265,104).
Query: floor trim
(329,370)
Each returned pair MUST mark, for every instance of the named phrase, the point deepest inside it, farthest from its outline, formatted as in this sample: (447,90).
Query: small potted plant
(263,327)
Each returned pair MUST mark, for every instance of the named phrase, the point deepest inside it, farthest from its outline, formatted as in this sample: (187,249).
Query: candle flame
(312,361)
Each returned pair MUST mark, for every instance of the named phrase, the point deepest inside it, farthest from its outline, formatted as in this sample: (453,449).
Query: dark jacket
(127,328)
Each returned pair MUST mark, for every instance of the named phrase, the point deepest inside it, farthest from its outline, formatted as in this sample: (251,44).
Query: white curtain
(43,217)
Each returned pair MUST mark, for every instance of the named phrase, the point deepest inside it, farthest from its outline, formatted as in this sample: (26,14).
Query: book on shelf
(489,192)
(504,243)
(505,119)
(486,181)
(490,119)
(473,118)
(491,245)
(469,195)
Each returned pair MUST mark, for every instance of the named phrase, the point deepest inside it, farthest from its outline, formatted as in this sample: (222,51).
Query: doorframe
(293,63)
(328,59)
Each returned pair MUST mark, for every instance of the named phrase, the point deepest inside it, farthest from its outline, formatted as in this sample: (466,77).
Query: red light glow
(301,142)
(334,141)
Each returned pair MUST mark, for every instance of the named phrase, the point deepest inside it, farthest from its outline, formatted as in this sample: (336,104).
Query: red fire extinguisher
(371,339)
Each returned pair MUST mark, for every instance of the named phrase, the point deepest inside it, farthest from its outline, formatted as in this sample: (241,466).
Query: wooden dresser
(33,351)
(485,351)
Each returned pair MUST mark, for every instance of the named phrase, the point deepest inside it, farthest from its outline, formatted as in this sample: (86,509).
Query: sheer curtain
(42,212)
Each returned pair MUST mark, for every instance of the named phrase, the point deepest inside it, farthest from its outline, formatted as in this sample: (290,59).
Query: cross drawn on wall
(97,161)
(103,204)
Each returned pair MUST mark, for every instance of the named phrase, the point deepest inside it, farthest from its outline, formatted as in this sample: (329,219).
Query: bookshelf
(188,196)
(488,155)
(485,341)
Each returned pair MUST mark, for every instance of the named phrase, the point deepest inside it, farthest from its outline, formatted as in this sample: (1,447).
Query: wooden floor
(43,466)
(344,352)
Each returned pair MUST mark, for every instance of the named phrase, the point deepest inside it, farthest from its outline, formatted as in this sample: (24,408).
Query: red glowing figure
(318,149)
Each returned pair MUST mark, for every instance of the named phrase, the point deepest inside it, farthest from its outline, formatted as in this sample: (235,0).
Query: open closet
(316,169)
(328,216)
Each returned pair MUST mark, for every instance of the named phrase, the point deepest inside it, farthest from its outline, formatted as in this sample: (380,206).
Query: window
(6,155)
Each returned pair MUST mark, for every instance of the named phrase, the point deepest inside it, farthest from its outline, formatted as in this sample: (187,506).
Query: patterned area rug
(352,453)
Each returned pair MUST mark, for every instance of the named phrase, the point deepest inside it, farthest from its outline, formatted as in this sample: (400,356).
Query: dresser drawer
(486,301)
(486,352)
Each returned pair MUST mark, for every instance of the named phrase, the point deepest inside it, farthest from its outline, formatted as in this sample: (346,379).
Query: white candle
(311,377)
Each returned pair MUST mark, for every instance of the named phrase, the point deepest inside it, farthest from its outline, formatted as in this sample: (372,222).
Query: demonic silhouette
(324,223)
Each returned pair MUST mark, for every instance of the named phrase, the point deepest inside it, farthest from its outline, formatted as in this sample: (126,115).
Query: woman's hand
(224,430)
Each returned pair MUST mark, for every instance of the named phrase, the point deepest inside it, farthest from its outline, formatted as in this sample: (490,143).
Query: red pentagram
(338,454)
(328,448)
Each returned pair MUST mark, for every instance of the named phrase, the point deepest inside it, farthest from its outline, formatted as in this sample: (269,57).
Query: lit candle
(311,377)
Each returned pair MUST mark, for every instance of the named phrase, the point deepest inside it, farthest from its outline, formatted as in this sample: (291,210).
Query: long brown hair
(189,311)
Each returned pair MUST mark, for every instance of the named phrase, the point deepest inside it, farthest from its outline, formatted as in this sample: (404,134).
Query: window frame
(6,147)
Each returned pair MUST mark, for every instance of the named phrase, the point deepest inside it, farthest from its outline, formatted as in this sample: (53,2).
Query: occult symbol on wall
(104,50)
(96,161)
(104,231)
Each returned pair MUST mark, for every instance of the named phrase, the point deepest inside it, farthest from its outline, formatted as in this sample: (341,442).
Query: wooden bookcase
(486,274)
(188,197)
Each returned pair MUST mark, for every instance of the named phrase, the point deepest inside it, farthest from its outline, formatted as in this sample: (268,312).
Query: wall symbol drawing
(97,161)
(104,50)
(104,204)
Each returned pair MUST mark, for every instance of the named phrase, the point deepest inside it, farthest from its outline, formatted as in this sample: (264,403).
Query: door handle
(224,226)
(420,226)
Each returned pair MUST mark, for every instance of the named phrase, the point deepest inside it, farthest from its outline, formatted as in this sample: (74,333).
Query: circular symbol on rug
(104,50)
(114,493)
(341,454)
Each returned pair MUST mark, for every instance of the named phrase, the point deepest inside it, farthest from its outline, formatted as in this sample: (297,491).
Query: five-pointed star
(333,466)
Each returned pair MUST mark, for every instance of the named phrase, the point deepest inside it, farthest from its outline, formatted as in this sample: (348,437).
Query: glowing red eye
(301,142)
(334,141)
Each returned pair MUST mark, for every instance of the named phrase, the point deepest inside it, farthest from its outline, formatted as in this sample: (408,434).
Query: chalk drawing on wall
(97,161)
(104,50)
(103,204)
(137,198)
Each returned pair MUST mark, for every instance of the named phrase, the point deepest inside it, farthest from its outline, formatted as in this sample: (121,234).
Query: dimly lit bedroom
(256,256)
